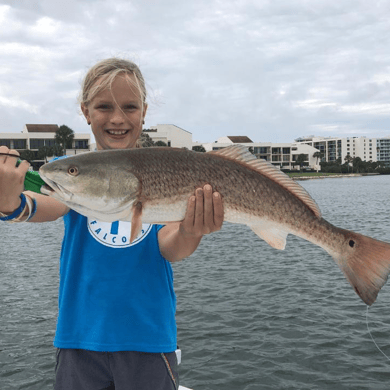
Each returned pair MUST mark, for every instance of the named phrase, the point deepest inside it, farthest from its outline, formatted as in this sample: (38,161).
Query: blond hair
(107,70)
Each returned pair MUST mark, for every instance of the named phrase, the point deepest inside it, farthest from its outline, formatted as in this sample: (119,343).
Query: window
(49,142)
(19,144)
(36,143)
(81,144)
(260,150)
(5,142)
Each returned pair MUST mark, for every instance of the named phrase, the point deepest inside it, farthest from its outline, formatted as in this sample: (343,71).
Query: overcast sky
(272,70)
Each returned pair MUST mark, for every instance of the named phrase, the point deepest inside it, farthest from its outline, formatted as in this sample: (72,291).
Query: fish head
(93,184)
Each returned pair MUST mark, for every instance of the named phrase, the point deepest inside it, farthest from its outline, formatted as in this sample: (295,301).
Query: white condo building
(282,155)
(368,149)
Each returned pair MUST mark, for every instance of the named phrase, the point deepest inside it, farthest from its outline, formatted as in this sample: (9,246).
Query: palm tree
(358,164)
(64,137)
(301,158)
(348,160)
(318,155)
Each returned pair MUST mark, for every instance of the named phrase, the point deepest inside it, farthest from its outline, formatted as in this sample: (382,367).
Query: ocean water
(249,317)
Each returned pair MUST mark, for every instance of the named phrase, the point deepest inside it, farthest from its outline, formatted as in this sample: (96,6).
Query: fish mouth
(51,188)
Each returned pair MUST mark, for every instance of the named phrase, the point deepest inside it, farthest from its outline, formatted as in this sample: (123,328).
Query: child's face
(116,114)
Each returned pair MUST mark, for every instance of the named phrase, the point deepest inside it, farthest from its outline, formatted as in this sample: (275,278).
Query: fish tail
(365,263)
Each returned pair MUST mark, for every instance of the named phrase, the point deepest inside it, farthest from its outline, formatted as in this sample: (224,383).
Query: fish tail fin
(365,263)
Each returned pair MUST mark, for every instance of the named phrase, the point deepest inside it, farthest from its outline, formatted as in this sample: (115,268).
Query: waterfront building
(171,135)
(383,150)
(333,148)
(282,155)
(33,137)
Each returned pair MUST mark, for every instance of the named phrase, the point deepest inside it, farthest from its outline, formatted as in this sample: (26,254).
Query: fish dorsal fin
(236,152)
(241,153)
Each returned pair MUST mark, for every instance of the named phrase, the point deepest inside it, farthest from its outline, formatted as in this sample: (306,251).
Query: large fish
(153,185)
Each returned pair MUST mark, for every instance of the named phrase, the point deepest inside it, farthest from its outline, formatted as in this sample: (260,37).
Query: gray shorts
(78,369)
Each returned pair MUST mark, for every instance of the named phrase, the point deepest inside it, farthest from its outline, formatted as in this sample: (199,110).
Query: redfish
(152,185)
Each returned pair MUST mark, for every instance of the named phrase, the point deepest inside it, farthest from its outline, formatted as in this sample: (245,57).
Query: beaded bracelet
(34,209)
(17,212)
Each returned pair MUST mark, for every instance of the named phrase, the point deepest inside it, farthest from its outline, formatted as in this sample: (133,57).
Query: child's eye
(103,107)
(130,107)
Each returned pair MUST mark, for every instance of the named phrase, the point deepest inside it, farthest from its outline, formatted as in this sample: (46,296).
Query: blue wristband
(17,212)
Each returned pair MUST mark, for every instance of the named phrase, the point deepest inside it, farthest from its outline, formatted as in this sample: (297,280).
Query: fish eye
(73,171)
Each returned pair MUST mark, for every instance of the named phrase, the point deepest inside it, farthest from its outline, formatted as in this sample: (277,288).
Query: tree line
(65,135)
(354,165)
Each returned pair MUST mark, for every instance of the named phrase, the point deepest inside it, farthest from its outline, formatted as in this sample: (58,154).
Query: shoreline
(333,176)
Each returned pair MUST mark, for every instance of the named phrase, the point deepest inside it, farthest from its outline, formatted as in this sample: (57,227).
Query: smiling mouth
(117,133)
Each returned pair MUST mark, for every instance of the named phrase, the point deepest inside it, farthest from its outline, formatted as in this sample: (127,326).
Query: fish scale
(153,185)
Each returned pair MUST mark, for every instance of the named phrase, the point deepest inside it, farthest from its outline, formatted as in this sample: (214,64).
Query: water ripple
(249,317)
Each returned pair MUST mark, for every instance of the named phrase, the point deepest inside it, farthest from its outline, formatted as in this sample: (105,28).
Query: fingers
(8,156)
(218,210)
(198,220)
(208,216)
(204,212)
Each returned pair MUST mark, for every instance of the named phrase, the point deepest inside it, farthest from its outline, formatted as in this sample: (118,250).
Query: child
(116,325)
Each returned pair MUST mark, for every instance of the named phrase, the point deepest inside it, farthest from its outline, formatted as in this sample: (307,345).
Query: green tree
(28,155)
(64,137)
(301,159)
(358,165)
(57,150)
(160,143)
(348,160)
(145,140)
(198,148)
(44,152)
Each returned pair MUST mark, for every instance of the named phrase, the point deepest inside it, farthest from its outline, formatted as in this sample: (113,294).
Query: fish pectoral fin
(271,235)
(136,221)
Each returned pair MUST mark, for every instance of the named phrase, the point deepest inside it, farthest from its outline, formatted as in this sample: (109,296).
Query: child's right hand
(11,180)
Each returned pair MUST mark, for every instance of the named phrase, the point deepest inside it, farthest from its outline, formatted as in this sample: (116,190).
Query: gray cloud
(272,70)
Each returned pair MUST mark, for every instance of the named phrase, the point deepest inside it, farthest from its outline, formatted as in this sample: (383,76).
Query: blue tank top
(113,295)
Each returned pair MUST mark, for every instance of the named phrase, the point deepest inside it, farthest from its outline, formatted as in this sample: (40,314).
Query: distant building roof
(240,139)
(42,128)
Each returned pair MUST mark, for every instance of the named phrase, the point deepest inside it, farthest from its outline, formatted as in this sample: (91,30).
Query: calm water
(249,317)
